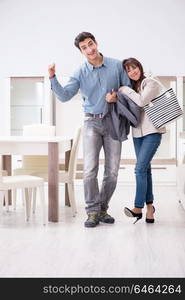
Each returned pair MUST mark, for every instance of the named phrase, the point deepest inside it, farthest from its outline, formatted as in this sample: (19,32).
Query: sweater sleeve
(150,91)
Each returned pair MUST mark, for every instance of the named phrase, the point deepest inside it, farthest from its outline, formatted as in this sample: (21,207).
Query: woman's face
(133,72)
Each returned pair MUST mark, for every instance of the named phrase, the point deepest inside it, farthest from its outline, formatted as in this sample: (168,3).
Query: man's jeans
(96,136)
(145,148)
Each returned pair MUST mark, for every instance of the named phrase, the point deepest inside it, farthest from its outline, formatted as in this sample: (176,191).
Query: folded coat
(120,115)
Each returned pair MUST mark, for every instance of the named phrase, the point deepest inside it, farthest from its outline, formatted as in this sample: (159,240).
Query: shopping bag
(163,109)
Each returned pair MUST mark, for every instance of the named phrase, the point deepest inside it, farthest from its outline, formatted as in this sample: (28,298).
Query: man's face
(89,48)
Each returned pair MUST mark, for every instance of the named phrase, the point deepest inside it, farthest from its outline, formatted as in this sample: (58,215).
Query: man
(97,77)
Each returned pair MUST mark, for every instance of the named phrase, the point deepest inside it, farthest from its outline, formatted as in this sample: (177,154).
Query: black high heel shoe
(130,213)
(150,220)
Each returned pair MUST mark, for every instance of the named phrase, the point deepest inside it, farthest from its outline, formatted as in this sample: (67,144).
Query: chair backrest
(39,130)
(74,153)
(37,161)
(2,172)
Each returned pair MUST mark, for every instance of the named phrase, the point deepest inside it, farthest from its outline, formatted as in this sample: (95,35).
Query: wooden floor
(68,249)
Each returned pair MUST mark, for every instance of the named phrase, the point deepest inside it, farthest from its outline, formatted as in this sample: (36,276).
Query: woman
(146,137)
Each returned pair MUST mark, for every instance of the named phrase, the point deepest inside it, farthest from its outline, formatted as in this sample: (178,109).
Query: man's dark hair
(82,36)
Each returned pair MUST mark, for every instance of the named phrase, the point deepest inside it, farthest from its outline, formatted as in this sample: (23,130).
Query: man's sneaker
(105,218)
(92,220)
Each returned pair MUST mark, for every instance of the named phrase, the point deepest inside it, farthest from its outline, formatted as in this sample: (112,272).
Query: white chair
(68,176)
(38,166)
(35,165)
(26,183)
(79,170)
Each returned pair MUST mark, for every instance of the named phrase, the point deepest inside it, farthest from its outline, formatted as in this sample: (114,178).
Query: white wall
(35,33)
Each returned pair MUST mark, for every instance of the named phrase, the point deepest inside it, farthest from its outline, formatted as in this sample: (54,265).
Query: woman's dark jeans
(145,148)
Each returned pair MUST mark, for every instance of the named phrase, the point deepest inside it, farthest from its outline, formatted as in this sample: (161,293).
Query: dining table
(53,146)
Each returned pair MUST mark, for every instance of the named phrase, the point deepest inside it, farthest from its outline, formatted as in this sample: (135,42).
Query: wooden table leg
(7,165)
(67,157)
(53,163)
